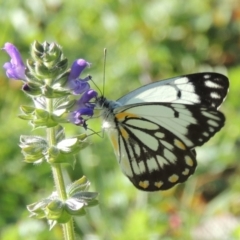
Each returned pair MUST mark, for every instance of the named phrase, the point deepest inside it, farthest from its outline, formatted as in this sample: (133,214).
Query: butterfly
(154,129)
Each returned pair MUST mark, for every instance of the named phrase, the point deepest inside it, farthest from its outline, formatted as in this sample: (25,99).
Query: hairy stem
(58,176)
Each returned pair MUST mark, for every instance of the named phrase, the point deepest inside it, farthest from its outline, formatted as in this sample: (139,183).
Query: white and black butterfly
(155,128)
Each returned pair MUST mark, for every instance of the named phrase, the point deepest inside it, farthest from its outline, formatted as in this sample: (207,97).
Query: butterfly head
(103,103)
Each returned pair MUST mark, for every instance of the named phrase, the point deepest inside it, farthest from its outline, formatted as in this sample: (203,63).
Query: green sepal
(62,108)
(27,109)
(43,72)
(34,159)
(88,197)
(52,54)
(72,145)
(62,79)
(60,211)
(37,51)
(37,209)
(55,156)
(34,148)
(54,209)
(25,117)
(43,119)
(60,116)
(62,66)
(75,207)
(50,92)
(41,113)
(59,133)
(93,202)
(64,218)
(36,71)
(31,74)
(48,62)
(63,103)
(33,89)
(81,184)
(79,190)
(39,124)
(65,150)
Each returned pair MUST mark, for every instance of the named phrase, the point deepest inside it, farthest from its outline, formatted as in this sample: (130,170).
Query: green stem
(58,176)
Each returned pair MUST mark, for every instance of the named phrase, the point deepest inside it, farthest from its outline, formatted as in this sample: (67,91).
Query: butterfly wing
(156,128)
(207,89)
(154,141)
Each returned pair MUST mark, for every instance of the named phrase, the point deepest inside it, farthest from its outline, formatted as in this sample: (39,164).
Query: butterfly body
(155,128)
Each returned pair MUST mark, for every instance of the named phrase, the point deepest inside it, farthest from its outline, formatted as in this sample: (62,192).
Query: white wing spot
(210,115)
(152,165)
(185,172)
(188,161)
(211,84)
(167,144)
(142,124)
(136,168)
(169,155)
(181,80)
(137,149)
(148,140)
(207,76)
(173,178)
(215,95)
(162,161)
(159,134)
(206,134)
(213,123)
(211,129)
(142,167)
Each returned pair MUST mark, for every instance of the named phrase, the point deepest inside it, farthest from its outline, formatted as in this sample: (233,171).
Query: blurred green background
(146,41)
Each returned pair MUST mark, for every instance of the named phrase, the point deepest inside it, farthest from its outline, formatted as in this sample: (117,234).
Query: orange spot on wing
(114,143)
(124,133)
(121,116)
(144,184)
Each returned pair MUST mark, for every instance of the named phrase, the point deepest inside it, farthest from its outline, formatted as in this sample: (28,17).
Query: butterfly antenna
(96,85)
(104,68)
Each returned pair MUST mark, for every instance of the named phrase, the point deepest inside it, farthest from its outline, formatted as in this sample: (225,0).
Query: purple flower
(84,108)
(76,84)
(77,67)
(15,68)
(84,100)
